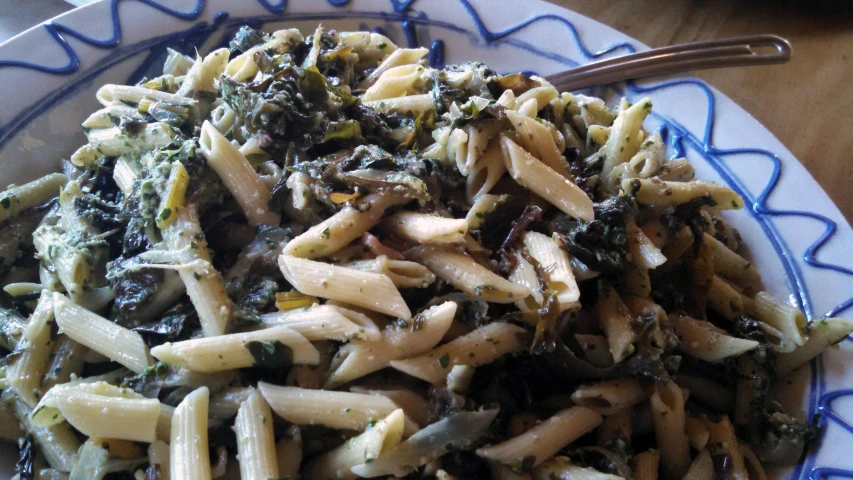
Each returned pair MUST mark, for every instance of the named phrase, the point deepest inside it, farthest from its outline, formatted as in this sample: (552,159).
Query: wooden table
(807,103)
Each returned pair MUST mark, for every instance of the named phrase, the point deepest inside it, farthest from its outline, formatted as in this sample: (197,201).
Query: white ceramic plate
(798,238)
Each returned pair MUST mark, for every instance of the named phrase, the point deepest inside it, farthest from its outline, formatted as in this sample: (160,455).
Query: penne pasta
(667,402)
(38,192)
(422,228)
(373,291)
(782,316)
(271,347)
(461,428)
(340,229)
(364,448)
(706,342)
(702,467)
(362,358)
(545,182)
(404,274)
(321,322)
(464,273)
(255,439)
(101,335)
(34,348)
(653,191)
(480,347)
(188,446)
(339,410)
(557,271)
(545,439)
(646,465)
(238,175)
(614,318)
(100,410)
(623,141)
(822,334)
(610,396)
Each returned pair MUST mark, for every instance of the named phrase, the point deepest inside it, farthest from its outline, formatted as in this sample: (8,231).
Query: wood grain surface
(807,103)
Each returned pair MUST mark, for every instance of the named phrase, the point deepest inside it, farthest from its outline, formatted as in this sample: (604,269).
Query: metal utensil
(727,52)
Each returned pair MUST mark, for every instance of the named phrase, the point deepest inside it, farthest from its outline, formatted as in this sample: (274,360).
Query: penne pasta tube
(404,274)
(338,410)
(38,192)
(26,373)
(394,82)
(546,182)
(556,268)
(480,347)
(400,56)
(610,396)
(822,334)
(653,191)
(101,335)
(372,291)
(644,253)
(114,142)
(255,439)
(706,342)
(188,446)
(702,467)
(624,141)
(110,116)
(364,448)
(545,439)
(238,175)
(413,104)
(320,322)
(524,275)
(467,275)
(413,405)
(128,94)
(646,465)
(203,282)
(667,403)
(537,140)
(100,410)
(486,172)
(730,265)
(456,429)
(787,319)
(200,77)
(424,228)
(342,228)
(362,358)
(725,300)
(614,317)
(271,347)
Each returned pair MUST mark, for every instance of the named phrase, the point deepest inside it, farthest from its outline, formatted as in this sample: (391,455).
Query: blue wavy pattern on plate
(676,134)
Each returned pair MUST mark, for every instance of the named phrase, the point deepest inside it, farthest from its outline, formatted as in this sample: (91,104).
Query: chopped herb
(444,360)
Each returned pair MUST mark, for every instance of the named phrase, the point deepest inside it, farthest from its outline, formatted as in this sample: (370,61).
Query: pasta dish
(319,258)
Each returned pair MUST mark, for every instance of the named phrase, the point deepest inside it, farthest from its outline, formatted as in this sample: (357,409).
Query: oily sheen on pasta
(317,257)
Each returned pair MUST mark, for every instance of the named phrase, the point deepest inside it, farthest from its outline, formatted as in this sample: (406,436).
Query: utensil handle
(727,52)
